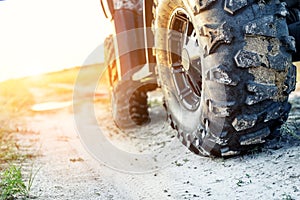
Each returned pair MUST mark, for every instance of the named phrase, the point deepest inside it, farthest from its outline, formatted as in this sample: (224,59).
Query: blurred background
(39,36)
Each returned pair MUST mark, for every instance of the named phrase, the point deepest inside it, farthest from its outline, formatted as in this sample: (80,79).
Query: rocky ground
(67,171)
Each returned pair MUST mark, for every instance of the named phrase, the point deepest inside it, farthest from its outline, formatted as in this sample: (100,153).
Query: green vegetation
(12,184)
(15,100)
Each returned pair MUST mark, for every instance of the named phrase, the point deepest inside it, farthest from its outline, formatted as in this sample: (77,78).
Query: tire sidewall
(184,120)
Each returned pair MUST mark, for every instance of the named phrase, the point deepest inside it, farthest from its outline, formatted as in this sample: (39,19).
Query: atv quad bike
(224,66)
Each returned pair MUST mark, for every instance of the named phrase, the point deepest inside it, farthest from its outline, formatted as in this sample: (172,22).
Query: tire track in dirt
(66,172)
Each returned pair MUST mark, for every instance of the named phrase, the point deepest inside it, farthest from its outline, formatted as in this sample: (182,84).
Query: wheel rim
(184,56)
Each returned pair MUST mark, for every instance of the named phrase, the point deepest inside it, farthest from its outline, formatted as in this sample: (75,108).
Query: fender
(107,8)
(127,15)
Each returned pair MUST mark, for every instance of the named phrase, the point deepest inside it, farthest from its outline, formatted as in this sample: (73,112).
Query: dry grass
(16,99)
(59,85)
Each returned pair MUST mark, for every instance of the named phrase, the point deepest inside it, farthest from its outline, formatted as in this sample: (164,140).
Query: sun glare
(40,36)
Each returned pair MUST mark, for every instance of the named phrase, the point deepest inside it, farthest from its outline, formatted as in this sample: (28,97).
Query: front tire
(235,93)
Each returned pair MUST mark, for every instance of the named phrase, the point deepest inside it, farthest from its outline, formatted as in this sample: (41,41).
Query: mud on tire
(245,72)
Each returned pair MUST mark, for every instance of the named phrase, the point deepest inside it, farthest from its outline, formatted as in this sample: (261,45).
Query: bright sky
(47,35)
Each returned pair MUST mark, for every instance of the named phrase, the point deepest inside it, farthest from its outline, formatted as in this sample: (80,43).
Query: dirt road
(67,171)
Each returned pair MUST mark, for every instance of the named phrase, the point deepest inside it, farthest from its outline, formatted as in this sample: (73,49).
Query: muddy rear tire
(235,94)
(128,97)
(130,105)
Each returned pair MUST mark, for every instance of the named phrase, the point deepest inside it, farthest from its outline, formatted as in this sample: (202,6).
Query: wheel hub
(185,59)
